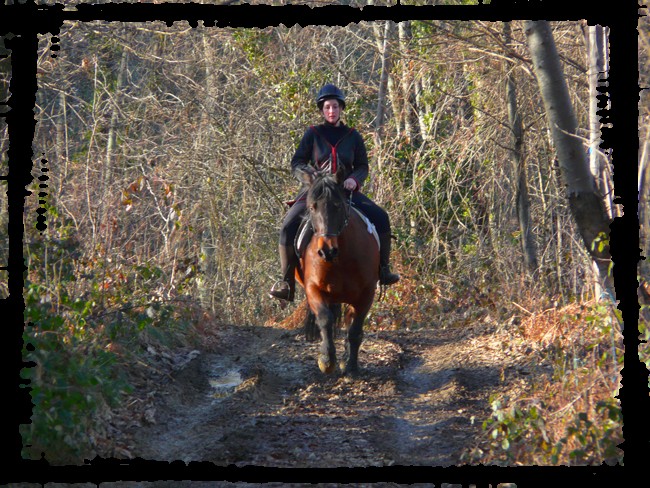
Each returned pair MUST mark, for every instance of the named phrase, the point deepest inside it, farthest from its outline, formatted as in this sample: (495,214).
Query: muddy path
(258,398)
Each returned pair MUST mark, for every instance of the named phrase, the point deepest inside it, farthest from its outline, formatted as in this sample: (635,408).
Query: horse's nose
(328,253)
(328,250)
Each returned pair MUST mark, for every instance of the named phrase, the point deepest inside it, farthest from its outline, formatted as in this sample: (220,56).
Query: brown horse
(339,266)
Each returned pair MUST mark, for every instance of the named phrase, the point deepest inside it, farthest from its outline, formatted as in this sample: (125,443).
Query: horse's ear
(340,174)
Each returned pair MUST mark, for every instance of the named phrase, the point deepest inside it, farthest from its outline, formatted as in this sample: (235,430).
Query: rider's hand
(350,184)
(308,175)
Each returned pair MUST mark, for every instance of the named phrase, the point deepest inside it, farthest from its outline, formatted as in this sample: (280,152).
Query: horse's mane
(323,188)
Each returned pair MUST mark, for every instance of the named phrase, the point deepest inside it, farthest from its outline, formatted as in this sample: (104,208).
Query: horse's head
(328,211)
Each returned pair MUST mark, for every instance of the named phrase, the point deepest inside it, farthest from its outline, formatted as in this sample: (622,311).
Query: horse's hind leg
(310,327)
(358,315)
(337,318)
(347,325)
(352,344)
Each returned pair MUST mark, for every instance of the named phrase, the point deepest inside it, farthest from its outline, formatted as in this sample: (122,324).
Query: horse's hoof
(325,365)
(352,371)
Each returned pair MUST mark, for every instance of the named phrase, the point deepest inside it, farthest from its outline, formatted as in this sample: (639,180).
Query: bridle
(348,211)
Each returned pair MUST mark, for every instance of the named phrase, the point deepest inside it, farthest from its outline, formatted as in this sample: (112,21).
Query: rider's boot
(285,289)
(385,275)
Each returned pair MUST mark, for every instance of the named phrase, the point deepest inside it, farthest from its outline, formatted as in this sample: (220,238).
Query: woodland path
(258,398)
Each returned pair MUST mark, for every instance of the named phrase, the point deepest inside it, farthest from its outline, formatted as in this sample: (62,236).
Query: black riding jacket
(328,146)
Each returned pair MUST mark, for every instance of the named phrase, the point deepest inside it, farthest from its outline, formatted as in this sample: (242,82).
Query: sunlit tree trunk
(112,128)
(407,85)
(586,204)
(644,200)
(383,86)
(596,42)
(421,87)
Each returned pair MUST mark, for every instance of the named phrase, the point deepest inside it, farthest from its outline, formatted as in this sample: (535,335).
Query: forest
(162,166)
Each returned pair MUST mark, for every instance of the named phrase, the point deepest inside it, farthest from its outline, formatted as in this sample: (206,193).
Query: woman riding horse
(327,147)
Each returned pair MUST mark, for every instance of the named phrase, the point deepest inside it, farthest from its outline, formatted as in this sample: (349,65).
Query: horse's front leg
(350,365)
(326,351)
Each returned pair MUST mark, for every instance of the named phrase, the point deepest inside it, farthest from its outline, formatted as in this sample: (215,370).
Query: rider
(327,146)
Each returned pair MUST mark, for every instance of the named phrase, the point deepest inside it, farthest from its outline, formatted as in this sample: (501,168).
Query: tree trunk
(383,85)
(407,86)
(644,200)
(421,87)
(206,139)
(112,133)
(596,40)
(528,244)
(115,115)
(586,205)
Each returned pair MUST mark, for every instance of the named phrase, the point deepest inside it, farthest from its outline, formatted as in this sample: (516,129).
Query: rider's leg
(285,289)
(386,277)
(380,219)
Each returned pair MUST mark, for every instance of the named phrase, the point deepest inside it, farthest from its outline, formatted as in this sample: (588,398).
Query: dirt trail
(259,399)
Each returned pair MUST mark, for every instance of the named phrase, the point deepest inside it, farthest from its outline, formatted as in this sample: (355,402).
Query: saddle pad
(303,236)
(369,225)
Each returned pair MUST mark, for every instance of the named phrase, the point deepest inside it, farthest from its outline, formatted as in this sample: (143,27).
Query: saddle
(306,232)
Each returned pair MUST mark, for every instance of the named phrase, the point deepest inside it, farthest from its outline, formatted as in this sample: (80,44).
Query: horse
(339,266)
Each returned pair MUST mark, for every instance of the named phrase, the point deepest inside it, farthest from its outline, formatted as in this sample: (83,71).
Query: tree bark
(528,244)
(206,139)
(586,204)
(407,86)
(115,115)
(596,40)
(383,86)
(644,201)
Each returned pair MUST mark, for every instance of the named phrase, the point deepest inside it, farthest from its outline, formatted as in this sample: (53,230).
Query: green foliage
(554,431)
(516,429)
(597,440)
(514,426)
(79,313)
(253,42)
(72,378)
(440,204)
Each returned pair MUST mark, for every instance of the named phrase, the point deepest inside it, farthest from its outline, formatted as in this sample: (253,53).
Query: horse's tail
(311,329)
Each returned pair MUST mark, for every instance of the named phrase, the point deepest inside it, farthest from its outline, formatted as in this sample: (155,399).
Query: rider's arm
(301,168)
(360,161)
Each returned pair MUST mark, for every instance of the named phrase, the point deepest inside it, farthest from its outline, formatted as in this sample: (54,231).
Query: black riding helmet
(329,92)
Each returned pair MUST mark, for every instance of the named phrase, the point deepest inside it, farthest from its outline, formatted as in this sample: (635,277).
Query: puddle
(224,385)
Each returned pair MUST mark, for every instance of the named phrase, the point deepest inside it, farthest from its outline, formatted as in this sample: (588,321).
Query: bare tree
(596,39)
(586,203)
(383,84)
(529,246)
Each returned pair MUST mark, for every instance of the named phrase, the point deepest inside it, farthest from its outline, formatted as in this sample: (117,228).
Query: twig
(522,308)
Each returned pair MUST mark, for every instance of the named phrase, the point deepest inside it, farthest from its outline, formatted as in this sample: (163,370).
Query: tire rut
(259,399)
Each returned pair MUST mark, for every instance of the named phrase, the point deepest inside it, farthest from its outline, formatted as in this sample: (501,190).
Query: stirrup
(282,291)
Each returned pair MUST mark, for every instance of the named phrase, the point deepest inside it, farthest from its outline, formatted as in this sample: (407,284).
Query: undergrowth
(571,414)
(87,323)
